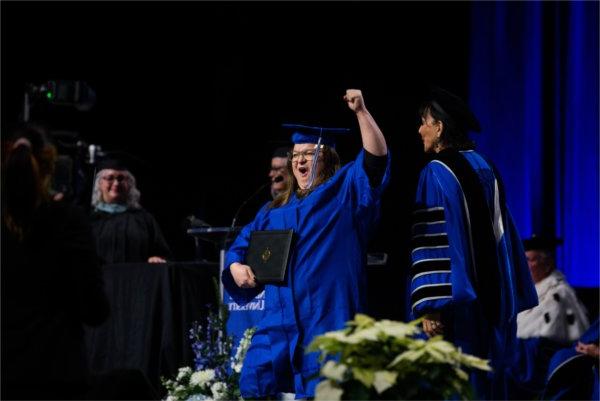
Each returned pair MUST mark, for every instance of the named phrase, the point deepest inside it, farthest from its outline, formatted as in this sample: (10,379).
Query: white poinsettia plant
(385,359)
(216,374)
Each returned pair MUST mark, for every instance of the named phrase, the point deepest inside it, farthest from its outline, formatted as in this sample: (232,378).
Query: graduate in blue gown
(468,274)
(333,212)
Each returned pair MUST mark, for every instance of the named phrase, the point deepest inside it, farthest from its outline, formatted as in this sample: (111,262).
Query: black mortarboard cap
(543,243)
(309,134)
(122,160)
(113,164)
(454,107)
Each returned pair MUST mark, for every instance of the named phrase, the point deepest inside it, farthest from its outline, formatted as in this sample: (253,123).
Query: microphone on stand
(279,178)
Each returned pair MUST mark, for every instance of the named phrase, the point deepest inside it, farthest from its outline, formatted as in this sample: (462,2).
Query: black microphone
(279,178)
(235,217)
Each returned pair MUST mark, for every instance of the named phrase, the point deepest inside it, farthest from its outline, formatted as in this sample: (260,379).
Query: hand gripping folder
(268,254)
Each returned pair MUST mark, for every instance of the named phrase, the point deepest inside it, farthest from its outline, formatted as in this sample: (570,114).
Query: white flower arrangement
(211,381)
(219,391)
(202,377)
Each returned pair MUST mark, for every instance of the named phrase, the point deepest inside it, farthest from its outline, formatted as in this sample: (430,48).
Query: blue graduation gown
(243,317)
(325,283)
(443,275)
(574,376)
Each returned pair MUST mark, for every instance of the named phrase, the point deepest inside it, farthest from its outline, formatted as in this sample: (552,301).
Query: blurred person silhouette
(241,318)
(124,231)
(278,172)
(51,280)
(468,276)
(559,316)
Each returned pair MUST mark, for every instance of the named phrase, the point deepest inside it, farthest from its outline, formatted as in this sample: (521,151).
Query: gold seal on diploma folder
(268,253)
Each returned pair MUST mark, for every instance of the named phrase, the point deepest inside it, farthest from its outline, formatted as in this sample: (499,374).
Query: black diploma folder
(268,253)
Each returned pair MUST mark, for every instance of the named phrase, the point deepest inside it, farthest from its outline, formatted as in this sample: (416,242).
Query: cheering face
(302,158)
(429,131)
(114,185)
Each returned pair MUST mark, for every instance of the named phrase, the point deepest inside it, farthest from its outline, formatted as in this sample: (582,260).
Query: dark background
(195,92)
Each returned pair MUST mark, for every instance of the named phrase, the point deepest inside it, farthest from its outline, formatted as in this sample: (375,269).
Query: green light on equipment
(49,95)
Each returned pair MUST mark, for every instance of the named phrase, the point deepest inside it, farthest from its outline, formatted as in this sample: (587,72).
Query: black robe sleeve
(374,167)
(129,237)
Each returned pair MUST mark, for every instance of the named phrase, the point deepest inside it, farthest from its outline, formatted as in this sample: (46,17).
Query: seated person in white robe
(559,316)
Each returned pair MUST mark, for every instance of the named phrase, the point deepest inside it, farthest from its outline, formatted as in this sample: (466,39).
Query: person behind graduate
(573,370)
(468,277)
(547,369)
(244,318)
(558,320)
(51,280)
(123,230)
(325,281)
(559,316)
(278,174)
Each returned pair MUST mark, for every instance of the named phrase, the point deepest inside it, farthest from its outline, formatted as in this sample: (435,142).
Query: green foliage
(383,360)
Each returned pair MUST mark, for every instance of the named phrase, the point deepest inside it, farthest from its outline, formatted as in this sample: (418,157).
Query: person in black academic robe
(124,232)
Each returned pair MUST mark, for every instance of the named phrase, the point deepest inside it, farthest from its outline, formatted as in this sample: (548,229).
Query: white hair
(133,196)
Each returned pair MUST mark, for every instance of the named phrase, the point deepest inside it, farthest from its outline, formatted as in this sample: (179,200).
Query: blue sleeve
(237,253)
(440,254)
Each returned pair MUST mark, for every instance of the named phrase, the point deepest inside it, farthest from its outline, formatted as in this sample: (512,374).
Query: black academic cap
(542,243)
(454,107)
(308,134)
(122,160)
(113,164)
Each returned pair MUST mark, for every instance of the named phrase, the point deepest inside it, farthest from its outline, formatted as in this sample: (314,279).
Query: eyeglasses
(276,170)
(309,155)
(111,178)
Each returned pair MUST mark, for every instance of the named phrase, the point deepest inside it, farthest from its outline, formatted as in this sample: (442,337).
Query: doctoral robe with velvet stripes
(468,263)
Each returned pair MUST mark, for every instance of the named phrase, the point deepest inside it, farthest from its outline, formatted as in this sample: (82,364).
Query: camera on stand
(76,94)
(54,103)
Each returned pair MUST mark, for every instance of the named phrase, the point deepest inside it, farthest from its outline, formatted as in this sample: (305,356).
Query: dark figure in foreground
(469,276)
(51,280)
